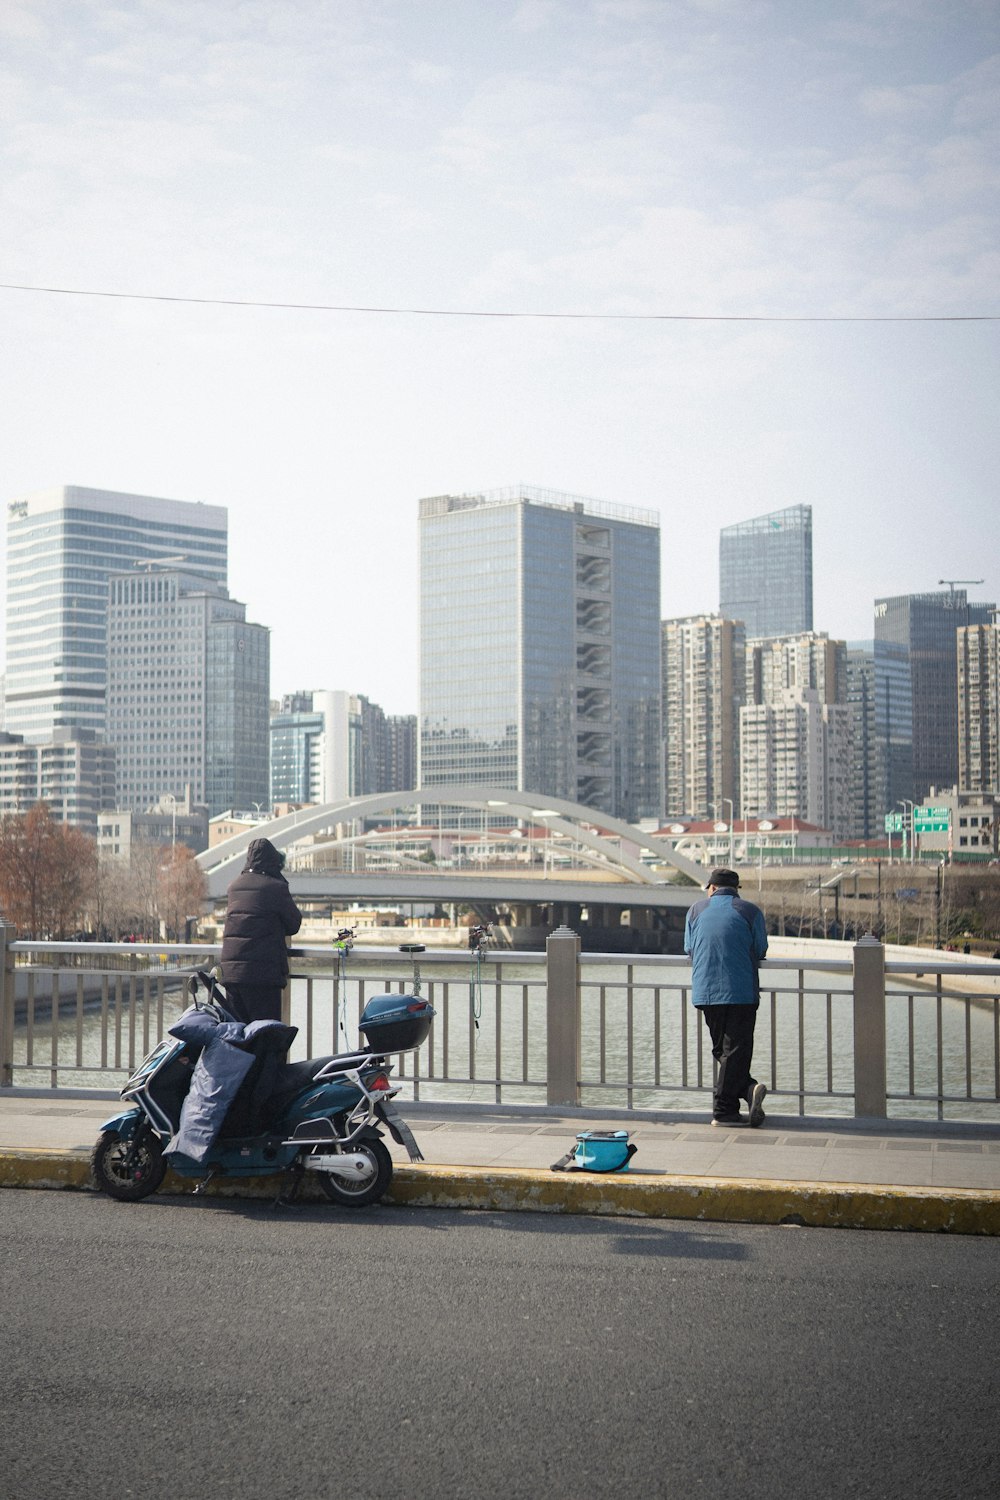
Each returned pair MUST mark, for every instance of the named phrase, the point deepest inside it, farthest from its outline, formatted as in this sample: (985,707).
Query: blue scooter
(321,1116)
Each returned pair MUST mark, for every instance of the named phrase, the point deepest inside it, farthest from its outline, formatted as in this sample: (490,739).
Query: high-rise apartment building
(868,772)
(400,770)
(187,692)
(540,648)
(979,708)
(795,760)
(704,673)
(795,732)
(766,574)
(63,545)
(810,660)
(917,687)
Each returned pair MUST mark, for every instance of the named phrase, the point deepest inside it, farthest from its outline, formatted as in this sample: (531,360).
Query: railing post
(562,1013)
(7,996)
(869,1028)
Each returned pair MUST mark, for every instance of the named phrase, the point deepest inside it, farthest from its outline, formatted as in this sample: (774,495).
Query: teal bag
(598,1151)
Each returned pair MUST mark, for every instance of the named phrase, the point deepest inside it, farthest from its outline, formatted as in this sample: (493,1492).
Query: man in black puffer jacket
(260,913)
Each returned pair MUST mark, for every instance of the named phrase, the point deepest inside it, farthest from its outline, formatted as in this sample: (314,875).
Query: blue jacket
(726,939)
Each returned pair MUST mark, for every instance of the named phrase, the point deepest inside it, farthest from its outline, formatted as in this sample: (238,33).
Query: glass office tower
(539,648)
(188,693)
(62,547)
(916,665)
(765,573)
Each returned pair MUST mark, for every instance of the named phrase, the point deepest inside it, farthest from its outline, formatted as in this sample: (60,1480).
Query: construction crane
(951,582)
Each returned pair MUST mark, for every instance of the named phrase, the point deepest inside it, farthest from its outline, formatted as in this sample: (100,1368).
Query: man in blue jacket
(726,939)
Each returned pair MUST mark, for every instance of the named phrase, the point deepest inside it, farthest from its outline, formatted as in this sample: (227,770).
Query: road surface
(186,1350)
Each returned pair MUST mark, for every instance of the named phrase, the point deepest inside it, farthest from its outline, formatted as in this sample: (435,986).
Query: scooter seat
(303,1073)
(295,1077)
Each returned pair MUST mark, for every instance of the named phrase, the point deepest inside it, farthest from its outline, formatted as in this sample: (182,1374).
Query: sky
(702,166)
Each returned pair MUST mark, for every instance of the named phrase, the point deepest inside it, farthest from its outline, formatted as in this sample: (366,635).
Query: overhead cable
(469,312)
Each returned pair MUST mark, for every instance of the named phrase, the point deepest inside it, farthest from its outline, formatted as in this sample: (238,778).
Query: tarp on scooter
(229,1051)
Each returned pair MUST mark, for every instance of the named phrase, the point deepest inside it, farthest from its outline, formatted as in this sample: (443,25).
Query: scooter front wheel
(128,1170)
(370,1186)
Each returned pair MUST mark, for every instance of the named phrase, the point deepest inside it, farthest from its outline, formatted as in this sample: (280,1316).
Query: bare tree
(181,889)
(144,880)
(46,870)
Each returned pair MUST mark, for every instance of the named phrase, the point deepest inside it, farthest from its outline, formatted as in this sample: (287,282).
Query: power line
(466,312)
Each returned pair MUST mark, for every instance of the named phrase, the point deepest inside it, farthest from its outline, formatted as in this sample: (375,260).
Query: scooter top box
(396,1023)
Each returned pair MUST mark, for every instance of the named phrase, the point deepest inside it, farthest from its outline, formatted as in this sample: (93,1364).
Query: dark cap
(724,878)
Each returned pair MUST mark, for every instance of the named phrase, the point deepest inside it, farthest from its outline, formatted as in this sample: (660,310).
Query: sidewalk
(833,1171)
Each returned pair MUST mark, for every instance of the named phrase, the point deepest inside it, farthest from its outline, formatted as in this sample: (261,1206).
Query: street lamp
(732,829)
(905,803)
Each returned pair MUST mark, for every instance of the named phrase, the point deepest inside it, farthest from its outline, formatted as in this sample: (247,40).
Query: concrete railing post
(7,995)
(562,1010)
(869,1029)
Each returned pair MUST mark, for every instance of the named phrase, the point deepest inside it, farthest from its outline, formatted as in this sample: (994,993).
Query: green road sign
(894,822)
(931,819)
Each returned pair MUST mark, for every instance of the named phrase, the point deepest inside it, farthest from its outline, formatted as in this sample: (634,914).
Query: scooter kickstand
(203,1184)
(283,1199)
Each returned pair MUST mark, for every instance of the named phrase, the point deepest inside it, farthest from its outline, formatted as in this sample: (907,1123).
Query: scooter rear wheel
(367,1189)
(128,1178)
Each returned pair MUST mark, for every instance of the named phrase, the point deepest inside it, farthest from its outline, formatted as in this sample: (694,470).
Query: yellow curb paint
(44,1169)
(708,1199)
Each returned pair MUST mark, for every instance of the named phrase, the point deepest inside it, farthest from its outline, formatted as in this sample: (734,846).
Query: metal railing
(851,1034)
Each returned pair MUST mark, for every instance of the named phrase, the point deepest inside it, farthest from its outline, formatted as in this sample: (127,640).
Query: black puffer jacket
(260,913)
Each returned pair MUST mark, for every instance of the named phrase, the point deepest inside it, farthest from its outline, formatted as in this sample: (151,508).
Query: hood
(263,858)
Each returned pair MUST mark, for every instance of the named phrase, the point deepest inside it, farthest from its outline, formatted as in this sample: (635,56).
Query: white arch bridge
(616,878)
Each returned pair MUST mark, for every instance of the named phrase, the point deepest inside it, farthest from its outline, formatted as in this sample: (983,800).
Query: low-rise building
(174,820)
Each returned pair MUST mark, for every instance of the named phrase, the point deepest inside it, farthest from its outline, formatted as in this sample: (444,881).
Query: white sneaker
(756,1101)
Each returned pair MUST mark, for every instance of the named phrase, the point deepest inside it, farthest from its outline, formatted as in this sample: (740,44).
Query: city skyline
(654,162)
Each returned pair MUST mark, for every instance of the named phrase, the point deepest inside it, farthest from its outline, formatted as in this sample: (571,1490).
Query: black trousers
(254,1002)
(731,1028)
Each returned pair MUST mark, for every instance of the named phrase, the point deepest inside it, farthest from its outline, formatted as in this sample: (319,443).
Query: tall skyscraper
(979,708)
(917,680)
(766,574)
(540,648)
(188,683)
(704,675)
(63,545)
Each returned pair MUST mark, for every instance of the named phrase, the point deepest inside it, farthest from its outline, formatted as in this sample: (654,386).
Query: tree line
(53,885)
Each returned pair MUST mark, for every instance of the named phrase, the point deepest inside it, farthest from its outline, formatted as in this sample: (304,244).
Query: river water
(803,1048)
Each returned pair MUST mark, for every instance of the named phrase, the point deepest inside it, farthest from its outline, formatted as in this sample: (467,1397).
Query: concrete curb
(718,1200)
(708,1199)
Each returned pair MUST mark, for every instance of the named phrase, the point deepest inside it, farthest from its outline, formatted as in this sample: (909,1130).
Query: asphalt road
(187,1350)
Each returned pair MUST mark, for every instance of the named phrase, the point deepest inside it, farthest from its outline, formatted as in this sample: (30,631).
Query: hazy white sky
(772,157)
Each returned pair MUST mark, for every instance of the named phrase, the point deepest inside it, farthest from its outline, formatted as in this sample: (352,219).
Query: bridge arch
(225,859)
